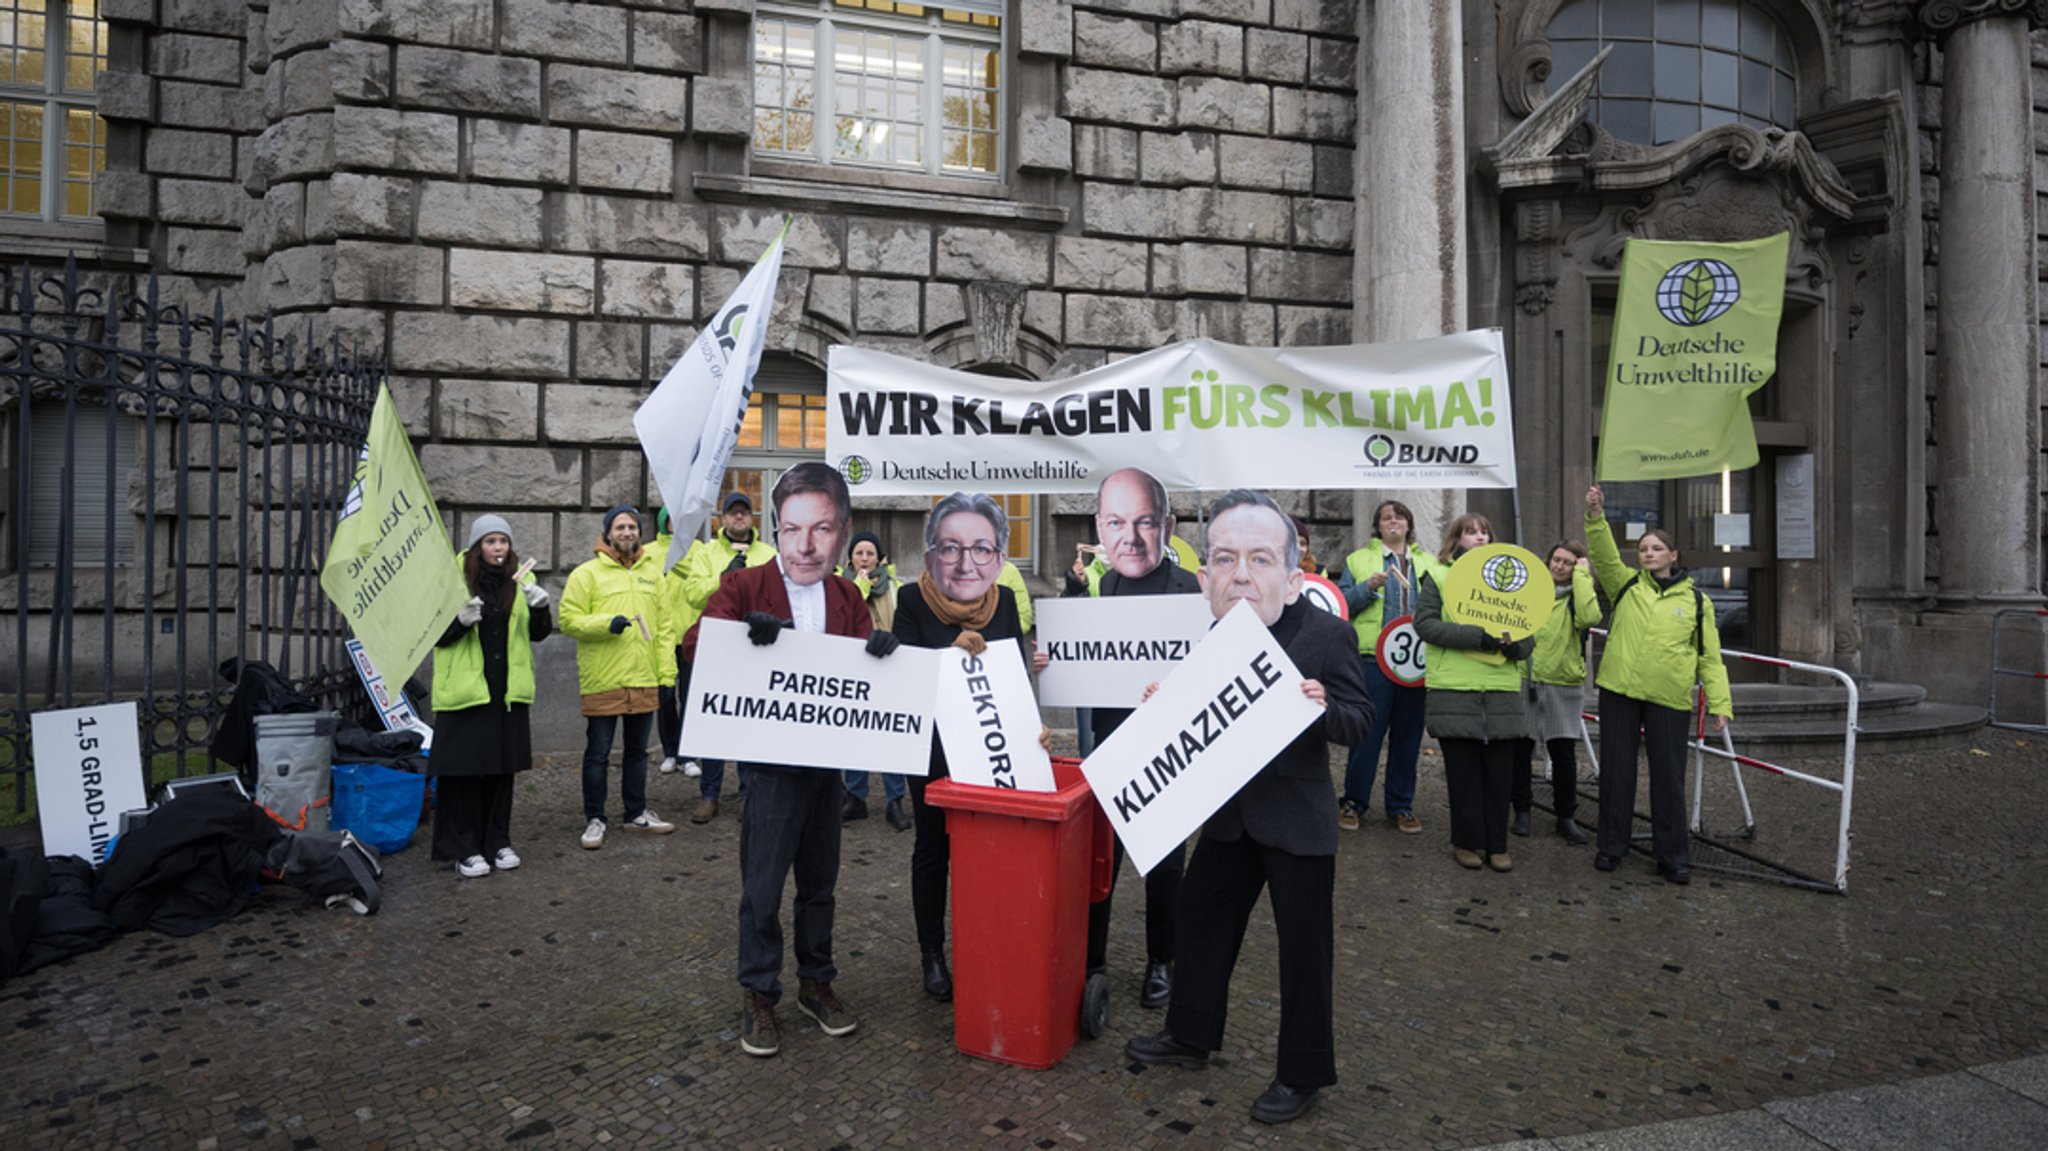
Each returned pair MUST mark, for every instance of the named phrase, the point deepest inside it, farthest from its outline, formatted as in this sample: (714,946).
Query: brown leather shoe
(1466,858)
(707,810)
(1501,861)
(1407,823)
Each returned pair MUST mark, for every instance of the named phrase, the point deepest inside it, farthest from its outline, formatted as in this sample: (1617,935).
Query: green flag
(389,567)
(1695,332)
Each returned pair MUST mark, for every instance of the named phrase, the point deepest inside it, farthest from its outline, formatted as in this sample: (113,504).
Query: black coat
(1169,578)
(1291,803)
(194,864)
(918,627)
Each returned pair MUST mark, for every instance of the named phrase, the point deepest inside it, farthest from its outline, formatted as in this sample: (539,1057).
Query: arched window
(1678,66)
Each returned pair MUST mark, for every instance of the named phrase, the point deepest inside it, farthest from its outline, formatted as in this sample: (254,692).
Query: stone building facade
(524,206)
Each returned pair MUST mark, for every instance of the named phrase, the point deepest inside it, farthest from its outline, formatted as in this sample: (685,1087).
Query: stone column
(1986,406)
(1410,241)
(1987,411)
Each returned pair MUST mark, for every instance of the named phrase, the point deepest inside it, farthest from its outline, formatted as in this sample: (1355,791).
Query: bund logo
(1379,449)
(1695,292)
(857,469)
(1505,574)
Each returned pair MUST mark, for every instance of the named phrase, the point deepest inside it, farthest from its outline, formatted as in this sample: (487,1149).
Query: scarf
(970,618)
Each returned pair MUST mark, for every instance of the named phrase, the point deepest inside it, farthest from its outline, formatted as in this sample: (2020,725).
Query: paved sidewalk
(587,1000)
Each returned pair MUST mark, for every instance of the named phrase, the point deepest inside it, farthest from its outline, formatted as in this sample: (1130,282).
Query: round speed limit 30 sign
(1400,652)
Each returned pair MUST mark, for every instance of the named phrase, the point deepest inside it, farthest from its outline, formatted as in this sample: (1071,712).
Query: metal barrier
(1774,871)
(1991,708)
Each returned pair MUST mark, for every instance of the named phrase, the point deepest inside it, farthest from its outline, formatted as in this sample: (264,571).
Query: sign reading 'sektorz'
(1198,414)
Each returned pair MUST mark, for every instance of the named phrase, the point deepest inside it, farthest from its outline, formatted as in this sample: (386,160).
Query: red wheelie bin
(1025,866)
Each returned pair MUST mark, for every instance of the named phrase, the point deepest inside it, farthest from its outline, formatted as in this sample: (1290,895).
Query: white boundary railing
(1701,749)
(1991,707)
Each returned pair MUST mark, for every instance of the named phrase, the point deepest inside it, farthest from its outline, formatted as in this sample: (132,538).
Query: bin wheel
(1095,1005)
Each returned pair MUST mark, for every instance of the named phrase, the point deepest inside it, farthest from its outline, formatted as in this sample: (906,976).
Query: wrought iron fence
(174,482)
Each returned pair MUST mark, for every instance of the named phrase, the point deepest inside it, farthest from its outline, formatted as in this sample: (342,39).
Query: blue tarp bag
(379,805)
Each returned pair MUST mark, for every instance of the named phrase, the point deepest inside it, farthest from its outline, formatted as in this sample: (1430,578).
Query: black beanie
(617,511)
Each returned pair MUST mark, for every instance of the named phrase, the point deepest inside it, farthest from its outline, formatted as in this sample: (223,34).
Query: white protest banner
(1222,717)
(1199,414)
(88,771)
(988,719)
(810,700)
(1102,652)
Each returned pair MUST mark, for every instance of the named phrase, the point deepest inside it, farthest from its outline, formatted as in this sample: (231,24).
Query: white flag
(690,422)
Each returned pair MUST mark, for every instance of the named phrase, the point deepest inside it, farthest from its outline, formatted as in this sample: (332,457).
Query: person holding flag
(1662,641)
(611,607)
(483,689)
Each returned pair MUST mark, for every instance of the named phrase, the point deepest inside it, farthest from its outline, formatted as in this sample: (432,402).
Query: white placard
(1731,530)
(1102,650)
(1223,716)
(88,771)
(1795,507)
(392,705)
(988,719)
(810,700)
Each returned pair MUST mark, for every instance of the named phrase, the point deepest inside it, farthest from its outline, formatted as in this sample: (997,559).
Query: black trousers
(1564,776)
(1162,899)
(791,822)
(1222,885)
(1477,774)
(668,717)
(1626,725)
(472,815)
(931,861)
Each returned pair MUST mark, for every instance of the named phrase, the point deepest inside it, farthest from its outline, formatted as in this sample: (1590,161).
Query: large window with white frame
(881,84)
(51,56)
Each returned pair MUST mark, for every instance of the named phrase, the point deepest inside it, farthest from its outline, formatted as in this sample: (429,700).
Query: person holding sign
(955,603)
(1557,692)
(1475,708)
(870,570)
(1662,641)
(1378,582)
(483,686)
(1133,521)
(735,546)
(791,818)
(1279,833)
(611,607)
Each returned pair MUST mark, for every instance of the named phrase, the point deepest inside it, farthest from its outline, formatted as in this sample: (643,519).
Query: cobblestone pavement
(587,999)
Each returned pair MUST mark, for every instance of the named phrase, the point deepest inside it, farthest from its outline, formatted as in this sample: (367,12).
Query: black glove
(882,643)
(1489,642)
(620,624)
(762,628)
(738,561)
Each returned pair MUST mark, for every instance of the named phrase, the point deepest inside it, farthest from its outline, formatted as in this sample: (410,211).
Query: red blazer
(760,589)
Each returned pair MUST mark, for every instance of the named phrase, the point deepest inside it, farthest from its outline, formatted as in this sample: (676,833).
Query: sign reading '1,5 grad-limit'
(88,771)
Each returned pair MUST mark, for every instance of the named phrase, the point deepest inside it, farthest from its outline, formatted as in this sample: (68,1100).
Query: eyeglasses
(984,554)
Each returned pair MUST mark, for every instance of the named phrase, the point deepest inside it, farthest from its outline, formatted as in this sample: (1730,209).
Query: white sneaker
(650,822)
(507,859)
(668,766)
(593,835)
(472,867)
(692,769)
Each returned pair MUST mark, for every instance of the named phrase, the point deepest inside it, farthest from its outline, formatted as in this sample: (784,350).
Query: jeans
(857,785)
(792,822)
(670,716)
(597,754)
(713,780)
(1397,714)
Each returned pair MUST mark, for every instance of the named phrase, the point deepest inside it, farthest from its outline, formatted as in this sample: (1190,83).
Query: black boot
(938,982)
(1158,987)
(1572,832)
(853,808)
(1521,824)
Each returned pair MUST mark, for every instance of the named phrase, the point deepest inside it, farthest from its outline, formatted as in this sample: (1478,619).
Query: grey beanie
(484,525)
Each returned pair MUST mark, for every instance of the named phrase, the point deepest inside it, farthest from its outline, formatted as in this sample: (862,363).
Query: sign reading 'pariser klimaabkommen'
(1198,415)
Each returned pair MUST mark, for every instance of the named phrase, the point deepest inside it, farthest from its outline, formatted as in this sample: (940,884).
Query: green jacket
(1468,699)
(1013,579)
(1560,656)
(1650,654)
(459,667)
(708,560)
(599,589)
(1367,606)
